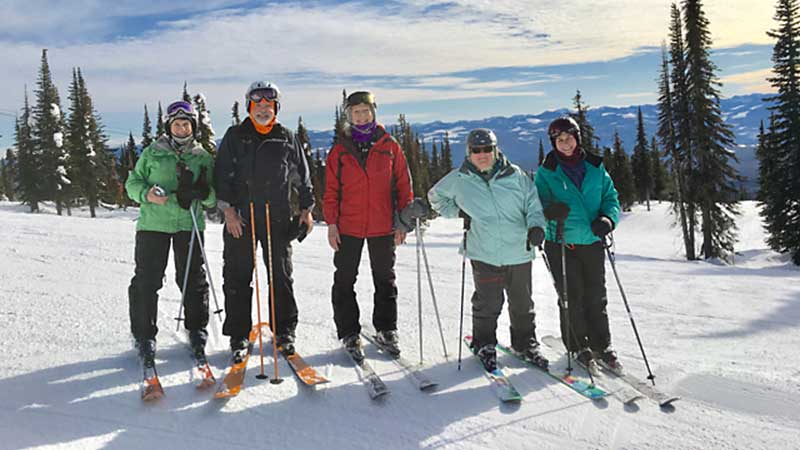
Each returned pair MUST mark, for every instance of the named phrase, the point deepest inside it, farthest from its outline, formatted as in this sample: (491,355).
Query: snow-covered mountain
(722,337)
(519,135)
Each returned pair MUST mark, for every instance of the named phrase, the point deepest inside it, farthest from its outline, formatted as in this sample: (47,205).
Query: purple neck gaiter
(363,133)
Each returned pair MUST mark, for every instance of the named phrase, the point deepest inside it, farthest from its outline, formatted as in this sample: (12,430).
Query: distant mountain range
(519,135)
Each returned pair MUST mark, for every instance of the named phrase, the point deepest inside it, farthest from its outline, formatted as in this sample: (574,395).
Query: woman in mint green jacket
(578,194)
(172,177)
(502,211)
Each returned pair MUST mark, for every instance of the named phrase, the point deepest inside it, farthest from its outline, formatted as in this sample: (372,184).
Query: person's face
(566,144)
(180,128)
(483,159)
(263,111)
(361,114)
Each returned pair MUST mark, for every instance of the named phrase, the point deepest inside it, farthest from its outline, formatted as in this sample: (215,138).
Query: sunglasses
(270,94)
(482,149)
(184,106)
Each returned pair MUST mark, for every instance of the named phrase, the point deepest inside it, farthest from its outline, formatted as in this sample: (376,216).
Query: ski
(620,391)
(151,387)
(232,383)
(306,373)
(585,389)
(501,386)
(662,398)
(413,371)
(375,386)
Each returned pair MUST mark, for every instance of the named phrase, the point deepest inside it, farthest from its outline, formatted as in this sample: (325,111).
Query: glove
(602,226)
(297,230)
(535,237)
(200,190)
(184,193)
(557,211)
(407,218)
(466,217)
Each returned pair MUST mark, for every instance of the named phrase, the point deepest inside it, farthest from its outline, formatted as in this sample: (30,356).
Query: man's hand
(233,222)
(153,198)
(308,219)
(333,237)
(399,237)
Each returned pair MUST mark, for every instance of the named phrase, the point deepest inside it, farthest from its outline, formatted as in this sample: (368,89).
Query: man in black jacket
(260,162)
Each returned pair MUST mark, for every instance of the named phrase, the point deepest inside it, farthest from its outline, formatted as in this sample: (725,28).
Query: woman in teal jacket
(172,177)
(501,209)
(578,194)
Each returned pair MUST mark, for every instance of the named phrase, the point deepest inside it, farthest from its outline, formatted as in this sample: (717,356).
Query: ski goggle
(178,106)
(562,126)
(268,93)
(482,149)
(361,97)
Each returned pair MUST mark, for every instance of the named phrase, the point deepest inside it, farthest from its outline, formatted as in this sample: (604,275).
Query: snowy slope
(724,337)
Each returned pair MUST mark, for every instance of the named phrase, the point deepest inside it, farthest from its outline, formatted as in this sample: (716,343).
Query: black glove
(200,190)
(602,226)
(297,230)
(466,217)
(557,211)
(406,220)
(184,193)
(535,237)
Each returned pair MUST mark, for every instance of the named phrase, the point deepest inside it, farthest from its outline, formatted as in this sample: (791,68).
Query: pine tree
(683,162)
(9,175)
(147,130)
(235,120)
(89,163)
(127,162)
(185,96)
(541,154)
(641,164)
(160,127)
(716,179)
(622,175)
(48,138)
(660,176)
(28,180)
(436,170)
(204,133)
(588,139)
(608,159)
(779,147)
(446,162)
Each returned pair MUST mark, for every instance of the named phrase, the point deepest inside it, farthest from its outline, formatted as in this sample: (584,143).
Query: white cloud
(748,82)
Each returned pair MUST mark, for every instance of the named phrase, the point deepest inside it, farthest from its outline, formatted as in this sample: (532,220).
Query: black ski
(412,370)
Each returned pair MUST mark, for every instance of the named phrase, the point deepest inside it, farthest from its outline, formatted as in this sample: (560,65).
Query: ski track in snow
(723,337)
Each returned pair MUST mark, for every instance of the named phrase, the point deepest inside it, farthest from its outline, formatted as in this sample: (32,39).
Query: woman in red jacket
(366,184)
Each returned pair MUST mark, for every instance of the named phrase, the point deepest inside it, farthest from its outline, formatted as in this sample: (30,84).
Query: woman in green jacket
(581,205)
(505,222)
(172,177)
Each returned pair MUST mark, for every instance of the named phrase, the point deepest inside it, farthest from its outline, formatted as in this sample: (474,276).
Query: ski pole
(185,276)
(463,271)
(419,292)
(218,311)
(564,294)
(612,259)
(430,284)
(262,375)
(276,379)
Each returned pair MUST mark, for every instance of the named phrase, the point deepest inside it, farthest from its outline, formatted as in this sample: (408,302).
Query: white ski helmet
(263,89)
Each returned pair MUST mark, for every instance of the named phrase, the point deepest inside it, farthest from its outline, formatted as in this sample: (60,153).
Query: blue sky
(444,61)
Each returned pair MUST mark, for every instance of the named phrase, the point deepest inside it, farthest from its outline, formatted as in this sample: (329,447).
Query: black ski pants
(237,274)
(381,259)
(586,295)
(151,253)
(492,284)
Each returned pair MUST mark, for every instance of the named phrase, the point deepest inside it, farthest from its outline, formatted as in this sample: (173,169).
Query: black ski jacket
(261,168)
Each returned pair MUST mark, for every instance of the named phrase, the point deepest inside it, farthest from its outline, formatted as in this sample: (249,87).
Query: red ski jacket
(362,199)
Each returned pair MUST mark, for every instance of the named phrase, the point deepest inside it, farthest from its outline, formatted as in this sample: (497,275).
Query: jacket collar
(551,161)
(164,144)
(503,169)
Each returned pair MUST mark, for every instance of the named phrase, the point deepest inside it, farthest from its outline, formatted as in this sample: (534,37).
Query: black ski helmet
(564,124)
(360,98)
(481,137)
